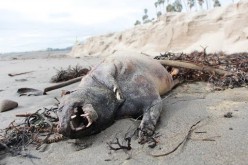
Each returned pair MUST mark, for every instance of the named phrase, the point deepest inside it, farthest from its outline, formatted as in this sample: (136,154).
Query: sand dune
(220,29)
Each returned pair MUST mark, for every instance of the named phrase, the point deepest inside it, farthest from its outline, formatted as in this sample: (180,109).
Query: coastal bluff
(219,29)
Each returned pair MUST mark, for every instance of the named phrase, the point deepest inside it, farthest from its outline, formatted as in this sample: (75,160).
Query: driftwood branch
(17,74)
(60,85)
(24,115)
(195,67)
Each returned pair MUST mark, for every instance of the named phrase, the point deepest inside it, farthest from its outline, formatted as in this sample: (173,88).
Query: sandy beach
(217,139)
(184,106)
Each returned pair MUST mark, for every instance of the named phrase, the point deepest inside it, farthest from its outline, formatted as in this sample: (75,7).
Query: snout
(64,115)
(66,131)
(75,121)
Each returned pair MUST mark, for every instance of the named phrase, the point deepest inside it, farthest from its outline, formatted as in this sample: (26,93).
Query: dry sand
(220,29)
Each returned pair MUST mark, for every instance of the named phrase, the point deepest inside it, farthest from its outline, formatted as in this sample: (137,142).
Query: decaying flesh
(120,86)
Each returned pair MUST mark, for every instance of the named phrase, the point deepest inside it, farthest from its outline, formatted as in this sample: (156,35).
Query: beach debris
(126,141)
(36,129)
(183,142)
(210,139)
(228,115)
(29,92)
(6,105)
(17,74)
(222,70)
(116,145)
(69,73)
(192,66)
(62,84)
(37,92)
(24,115)
(200,132)
(21,80)
(67,76)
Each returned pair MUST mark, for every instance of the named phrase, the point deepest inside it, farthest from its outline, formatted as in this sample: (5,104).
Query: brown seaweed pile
(69,73)
(236,63)
(37,128)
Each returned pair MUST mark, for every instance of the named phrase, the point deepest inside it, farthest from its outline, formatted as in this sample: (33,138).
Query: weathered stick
(192,128)
(195,67)
(60,85)
(17,74)
(24,115)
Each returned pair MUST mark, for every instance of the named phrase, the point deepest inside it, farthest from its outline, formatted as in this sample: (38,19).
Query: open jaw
(79,119)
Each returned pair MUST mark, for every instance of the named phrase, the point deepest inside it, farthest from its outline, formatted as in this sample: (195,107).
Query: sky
(27,25)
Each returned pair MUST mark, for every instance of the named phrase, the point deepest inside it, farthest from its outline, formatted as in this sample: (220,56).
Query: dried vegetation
(236,64)
(69,73)
(36,129)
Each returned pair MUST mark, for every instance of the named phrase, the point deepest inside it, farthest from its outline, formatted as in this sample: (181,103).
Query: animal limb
(149,121)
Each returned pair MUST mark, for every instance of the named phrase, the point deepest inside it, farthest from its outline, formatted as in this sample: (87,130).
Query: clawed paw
(145,133)
(149,138)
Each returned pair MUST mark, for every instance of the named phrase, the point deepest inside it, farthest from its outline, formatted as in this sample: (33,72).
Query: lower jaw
(79,128)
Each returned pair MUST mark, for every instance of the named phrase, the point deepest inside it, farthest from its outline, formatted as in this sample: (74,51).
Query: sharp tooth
(86,115)
(73,116)
(80,128)
(114,89)
(118,96)
(89,124)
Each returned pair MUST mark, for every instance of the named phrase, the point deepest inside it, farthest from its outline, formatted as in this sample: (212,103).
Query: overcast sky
(38,24)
